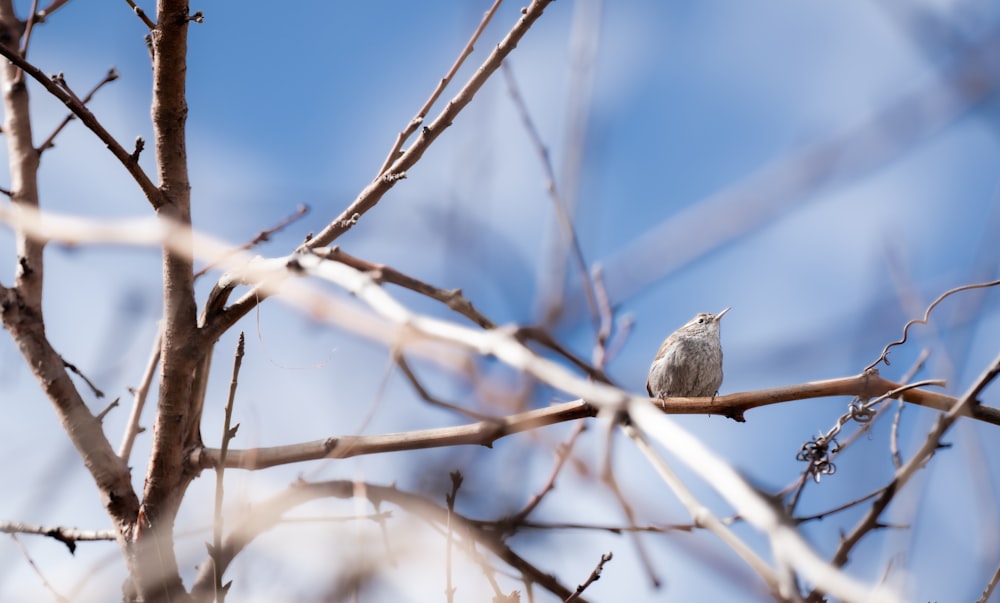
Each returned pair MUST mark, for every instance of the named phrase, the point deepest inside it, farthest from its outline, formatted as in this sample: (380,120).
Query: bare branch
(155,197)
(139,401)
(559,206)
(422,113)
(67,536)
(919,459)
(388,177)
(268,514)
(261,237)
(452,298)
(109,77)
(38,572)
(228,433)
(594,577)
(141,14)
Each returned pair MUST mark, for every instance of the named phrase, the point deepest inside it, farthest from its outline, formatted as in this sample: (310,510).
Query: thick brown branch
(23,160)
(484,433)
(110,473)
(178,416)
(866,385)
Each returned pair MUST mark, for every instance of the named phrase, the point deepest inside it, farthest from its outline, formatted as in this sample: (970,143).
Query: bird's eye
(701,321)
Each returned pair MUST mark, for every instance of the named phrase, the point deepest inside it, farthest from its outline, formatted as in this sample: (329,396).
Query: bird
(689,362)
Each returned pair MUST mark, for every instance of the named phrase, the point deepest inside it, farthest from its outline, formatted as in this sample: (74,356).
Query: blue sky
(697,121)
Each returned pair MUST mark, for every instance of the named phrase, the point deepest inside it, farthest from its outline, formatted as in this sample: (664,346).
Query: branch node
(140,144)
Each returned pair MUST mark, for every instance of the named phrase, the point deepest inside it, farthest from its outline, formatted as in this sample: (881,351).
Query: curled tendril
(884,357)
(860,411)
(818,452)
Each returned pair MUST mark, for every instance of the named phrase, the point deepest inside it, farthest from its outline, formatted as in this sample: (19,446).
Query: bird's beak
(718,316)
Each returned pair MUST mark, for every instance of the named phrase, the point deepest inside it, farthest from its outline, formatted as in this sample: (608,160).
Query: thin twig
(897,459)
(838,508)
(49,142)
(261,237)
(28,28)
(593,577)
(31,563)
(228,433)
(396,171)
(562,453)
(931,444)
(80,374)
(559,206)
(67,536)
(452,298)
(608,477)
(404,366)
(139,401)
(153,194)
(142,15)
(606,314)
(107,409)
(442,84)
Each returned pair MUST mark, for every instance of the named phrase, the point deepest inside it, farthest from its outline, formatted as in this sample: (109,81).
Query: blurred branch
(267,514)
(224,317)
(404,366)
(563,451)
(902,476)
(791,553)
(67,536)
(452,298)
(59,598)
(139,395)
(594,577)
(702,516)
(789,180)
(261,237)
(608,479)
(560,209)
(272,275)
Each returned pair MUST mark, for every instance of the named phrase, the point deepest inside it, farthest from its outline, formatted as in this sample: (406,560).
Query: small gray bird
(689,363)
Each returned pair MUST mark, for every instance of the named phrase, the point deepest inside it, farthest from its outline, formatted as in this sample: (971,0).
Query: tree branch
(154,195)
